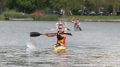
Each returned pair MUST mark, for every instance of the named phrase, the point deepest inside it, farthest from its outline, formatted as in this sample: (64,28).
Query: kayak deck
(59,49)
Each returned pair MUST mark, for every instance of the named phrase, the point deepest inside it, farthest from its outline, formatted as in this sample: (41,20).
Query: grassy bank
(46,18)
(95,18)
(18,15)
(14,15)
(1,17)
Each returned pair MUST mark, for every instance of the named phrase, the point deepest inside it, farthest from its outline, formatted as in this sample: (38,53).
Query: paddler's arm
(51,34)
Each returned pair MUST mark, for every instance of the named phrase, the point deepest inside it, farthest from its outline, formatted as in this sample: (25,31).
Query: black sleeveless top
(59,37)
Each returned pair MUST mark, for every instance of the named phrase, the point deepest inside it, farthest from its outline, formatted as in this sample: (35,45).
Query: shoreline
(65,19)
(96,20)
(100,20)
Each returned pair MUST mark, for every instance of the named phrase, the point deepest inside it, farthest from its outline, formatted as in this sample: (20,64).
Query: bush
(1,17)
(14,14)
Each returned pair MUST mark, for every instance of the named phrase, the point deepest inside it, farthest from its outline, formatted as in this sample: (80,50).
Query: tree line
(82,7)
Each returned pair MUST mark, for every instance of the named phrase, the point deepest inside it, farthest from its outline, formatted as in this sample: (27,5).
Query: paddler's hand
(46,34)
(69,34)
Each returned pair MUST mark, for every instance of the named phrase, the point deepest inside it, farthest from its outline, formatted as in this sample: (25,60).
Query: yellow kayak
(59,49)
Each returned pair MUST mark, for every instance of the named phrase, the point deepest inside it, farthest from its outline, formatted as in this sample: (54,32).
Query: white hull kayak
(59,49)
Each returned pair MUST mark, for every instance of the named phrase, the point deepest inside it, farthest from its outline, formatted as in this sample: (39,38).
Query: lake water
(97,45)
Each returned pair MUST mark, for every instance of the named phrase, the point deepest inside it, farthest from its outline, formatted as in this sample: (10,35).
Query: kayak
(59,49)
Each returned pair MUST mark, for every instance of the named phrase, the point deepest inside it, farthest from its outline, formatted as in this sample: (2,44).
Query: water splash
(31,46)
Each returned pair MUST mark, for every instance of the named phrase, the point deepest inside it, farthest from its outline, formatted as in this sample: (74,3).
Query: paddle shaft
(35,34)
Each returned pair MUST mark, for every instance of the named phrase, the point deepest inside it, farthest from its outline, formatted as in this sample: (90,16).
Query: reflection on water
(97,45)
(45,57)
(20,57)
(73,57)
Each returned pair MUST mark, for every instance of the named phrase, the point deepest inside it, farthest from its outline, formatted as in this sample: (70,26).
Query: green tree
(67,5)
(11,4)
(27,6)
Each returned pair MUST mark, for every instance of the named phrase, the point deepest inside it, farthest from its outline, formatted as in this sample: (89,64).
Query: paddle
(35,34)
(68,29)
(80,28)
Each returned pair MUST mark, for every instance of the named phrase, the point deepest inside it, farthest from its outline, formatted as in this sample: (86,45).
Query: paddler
(76,23)
(62,24)
(61,37)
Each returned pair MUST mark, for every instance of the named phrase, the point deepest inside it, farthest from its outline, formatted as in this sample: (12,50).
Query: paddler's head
(77,20)
(60,28)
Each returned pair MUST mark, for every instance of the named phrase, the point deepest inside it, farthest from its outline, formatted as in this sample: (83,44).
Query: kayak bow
(59,49)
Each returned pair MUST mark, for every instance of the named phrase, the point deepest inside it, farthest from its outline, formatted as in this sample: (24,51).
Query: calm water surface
(98,45)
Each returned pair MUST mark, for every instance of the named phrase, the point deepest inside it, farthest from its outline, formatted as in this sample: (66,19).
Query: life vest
(60,39)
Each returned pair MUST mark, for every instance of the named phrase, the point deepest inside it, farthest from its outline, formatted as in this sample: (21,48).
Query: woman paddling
(63,24)
(76,24)
(61,37)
